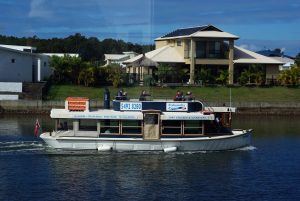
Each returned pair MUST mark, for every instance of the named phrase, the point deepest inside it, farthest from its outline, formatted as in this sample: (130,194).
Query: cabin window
(151,119)
(171,127)
(87,125)
(193,127)
(110,127)
(13,61)
(131,127)
(64,124)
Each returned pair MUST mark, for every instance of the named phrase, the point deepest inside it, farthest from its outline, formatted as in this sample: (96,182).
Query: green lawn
(240,94)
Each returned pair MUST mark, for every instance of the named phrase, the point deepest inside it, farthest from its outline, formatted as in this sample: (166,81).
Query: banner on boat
(177,107)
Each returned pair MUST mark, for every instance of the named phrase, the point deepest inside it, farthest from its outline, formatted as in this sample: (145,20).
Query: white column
(39,70)
(192,65)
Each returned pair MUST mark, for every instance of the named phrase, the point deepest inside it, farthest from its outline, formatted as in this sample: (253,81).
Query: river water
(269,169)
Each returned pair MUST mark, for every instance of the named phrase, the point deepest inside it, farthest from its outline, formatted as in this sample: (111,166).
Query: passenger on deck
(143,95)
(125,96)
(121,95)
(60,126)
(179,96)
(189,96)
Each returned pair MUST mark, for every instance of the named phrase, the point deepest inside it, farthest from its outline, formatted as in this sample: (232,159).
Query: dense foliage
(254,74)
(290,77)
(73,70)
(89,49)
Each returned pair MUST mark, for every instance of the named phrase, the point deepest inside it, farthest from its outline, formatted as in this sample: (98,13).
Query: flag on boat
(37,128)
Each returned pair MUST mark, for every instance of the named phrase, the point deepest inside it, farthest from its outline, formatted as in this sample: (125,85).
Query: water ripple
(21,146)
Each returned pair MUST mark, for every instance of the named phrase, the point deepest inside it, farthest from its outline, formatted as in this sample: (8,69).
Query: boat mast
(230,97)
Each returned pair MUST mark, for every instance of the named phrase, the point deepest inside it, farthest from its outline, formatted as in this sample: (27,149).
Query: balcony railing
(200,54)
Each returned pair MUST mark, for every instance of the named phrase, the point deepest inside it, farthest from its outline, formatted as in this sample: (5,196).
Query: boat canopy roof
(128,115)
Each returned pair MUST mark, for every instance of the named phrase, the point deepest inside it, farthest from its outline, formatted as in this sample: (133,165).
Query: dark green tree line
(89,49)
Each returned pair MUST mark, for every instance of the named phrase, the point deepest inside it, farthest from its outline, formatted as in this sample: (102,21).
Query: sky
(260,24)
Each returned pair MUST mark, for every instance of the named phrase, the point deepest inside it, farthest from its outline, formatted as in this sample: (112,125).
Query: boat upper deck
(134,109)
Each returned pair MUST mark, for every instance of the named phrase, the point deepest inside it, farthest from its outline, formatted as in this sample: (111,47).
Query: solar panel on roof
(189,31)
(184,32)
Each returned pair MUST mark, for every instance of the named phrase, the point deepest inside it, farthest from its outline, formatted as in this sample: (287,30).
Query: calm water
(267,170)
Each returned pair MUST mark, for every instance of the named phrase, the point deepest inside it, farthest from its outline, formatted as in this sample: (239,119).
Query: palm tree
(254,74)
(223,77)
(116,75)
(163,71)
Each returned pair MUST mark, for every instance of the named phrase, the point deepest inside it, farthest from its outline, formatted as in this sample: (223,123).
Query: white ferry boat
(133,125)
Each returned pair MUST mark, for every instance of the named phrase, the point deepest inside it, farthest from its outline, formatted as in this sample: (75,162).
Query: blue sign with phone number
(130,106)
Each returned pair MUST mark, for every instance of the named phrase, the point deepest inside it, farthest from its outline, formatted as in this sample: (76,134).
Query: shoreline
(243,108)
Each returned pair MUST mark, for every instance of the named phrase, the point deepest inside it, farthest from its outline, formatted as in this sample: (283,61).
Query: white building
(61,54)
(118,58)
(20,48)
(288,62)
(17,65)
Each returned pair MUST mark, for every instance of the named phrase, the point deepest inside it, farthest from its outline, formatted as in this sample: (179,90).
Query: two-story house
(196,48)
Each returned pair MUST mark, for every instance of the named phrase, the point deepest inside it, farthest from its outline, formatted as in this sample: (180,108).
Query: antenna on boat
(230,97)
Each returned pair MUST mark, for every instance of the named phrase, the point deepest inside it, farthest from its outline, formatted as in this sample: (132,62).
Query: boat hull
(239,138)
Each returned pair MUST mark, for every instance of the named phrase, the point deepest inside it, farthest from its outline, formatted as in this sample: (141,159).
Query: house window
(214,49)
(13,60)
(45,64)
(179,43)
(187,48)
(201,49)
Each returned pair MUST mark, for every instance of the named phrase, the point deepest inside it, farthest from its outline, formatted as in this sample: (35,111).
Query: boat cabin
(150,120)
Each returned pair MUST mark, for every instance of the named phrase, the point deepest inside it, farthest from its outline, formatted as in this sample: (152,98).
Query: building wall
(160,43)
(272,71)
(15,67)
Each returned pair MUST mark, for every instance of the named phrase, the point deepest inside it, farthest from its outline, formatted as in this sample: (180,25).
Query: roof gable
(242,55)
(190,31)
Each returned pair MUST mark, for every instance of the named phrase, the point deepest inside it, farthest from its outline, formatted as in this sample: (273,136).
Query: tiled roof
(242,55)
(165,54)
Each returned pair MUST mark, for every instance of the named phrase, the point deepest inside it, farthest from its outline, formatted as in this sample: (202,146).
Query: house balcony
(211,58)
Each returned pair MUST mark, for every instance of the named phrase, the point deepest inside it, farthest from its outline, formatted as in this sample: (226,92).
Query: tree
(223,77)
(297,60)
(60,69)
(116,75)
(204,74)
(290,77)
(254,74)
(89,49)
(163,70)
(66,69)
(87,75)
